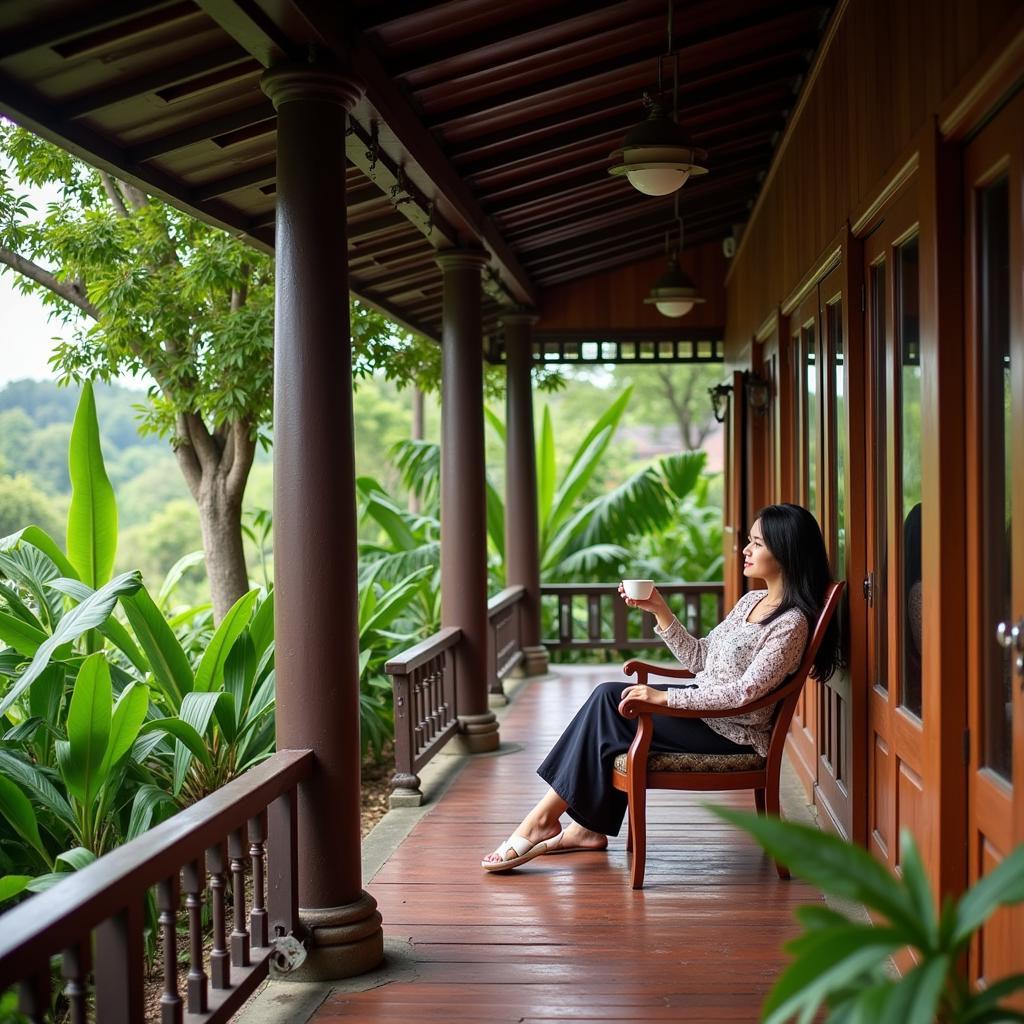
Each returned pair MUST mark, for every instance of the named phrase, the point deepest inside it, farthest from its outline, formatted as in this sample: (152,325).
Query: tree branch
(113,195)
(67,290)
(185,453)
(204,445)
(136,198)
(244,446)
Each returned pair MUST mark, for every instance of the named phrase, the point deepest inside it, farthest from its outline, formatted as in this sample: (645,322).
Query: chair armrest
(643,669)
(633,708)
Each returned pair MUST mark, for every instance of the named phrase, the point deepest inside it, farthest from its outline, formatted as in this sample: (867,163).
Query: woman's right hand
(655,604)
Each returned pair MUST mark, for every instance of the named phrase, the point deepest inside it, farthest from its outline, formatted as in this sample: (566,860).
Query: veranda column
(315,595)
(522,541)
(463,494)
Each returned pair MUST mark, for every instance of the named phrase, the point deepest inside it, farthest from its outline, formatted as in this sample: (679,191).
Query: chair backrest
(795,683)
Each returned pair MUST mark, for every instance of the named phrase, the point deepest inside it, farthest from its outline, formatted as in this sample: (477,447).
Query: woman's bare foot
(574,838)
(531,828)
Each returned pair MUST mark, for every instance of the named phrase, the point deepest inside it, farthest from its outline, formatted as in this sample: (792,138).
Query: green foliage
(21,501)
(842,963)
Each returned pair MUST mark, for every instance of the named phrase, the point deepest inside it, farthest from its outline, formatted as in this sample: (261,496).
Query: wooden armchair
(638,770)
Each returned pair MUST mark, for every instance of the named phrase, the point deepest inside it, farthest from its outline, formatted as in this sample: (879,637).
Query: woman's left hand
(645,693)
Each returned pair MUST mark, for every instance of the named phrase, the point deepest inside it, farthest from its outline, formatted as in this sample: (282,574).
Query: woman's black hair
(794,538)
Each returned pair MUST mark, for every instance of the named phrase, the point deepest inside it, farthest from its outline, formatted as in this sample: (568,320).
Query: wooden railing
(249,822)
(423,678)
(592,616)
(505,649)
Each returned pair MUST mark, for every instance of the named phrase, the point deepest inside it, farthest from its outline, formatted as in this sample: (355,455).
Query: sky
(26,334)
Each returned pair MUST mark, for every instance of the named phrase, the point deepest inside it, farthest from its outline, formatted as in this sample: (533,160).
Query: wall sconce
(758,392)
(720,400)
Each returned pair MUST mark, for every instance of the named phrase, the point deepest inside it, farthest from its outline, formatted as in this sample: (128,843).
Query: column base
(478,734)
(341,942)
(535,661)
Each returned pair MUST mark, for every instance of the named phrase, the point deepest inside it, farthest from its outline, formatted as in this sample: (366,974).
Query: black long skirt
(579,766)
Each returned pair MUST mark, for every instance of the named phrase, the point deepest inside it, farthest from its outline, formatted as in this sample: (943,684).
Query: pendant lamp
(674,294)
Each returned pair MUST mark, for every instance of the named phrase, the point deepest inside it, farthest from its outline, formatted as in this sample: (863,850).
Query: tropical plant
(843,964)
(580,540)
(147,288)
(107,722)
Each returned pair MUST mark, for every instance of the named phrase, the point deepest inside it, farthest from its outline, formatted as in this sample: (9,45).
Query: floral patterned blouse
(737,662)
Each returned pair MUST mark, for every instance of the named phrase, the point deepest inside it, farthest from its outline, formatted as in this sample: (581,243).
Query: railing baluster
(74,969)
(257,853)
(220,961)
(34,996)
(283,864)
(564,619)
(167,898)
(119,967)
(594,616)
(239,932)
(194,881)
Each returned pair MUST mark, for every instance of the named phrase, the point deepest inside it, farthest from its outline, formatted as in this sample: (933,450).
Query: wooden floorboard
(565,938)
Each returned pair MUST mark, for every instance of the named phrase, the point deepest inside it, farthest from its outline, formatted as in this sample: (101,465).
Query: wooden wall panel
(615,298)
(886,68)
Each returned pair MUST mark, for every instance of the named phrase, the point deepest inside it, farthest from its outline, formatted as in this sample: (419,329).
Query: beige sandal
(522,847)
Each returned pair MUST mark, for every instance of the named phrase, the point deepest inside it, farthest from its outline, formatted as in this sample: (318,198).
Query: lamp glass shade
(674,307)
(657,181)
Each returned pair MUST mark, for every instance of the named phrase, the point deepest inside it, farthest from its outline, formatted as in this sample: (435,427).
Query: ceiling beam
(32,112)
(257,114)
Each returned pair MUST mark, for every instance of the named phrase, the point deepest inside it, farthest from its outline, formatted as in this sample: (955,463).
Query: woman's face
(758,562)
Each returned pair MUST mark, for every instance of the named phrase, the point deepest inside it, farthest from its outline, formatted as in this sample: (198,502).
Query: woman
(760,642)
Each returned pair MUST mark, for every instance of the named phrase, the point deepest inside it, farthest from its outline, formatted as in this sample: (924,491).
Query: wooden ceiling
(485,122)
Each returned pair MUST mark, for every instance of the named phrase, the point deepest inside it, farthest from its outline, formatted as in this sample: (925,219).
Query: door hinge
(869,589)
(967,746)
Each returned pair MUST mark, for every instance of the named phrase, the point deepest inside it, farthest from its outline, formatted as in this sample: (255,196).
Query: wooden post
(463,495)
(315,565)
(522,540)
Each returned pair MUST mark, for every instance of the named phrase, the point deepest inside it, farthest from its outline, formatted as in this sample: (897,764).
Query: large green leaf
(496,424)
(77,858)
(394,521)
(22,637)
(914,999)
(129,714)
(111,629)
(261,629)
(92,517)
(147,799)
(35,781)
(18,608)
(17,809)
(833,865)
(419,463)
(169,663)
(681,471)
(986,1001)
(545,474)
(197,710)
(916,882)
(40,539)
(89,719)
(211,667)
(495,518)
(11,886)
(577,477)
(174,574)
(90,614)
(183,732)
(1004,884)
(394,602)
(837,957)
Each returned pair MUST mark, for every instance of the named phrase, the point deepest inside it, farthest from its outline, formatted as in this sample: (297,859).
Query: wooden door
(994,327)
(894,584)
(804,332)
(834,730)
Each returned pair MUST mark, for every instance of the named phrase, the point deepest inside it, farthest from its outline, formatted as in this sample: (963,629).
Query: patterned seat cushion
(698,763)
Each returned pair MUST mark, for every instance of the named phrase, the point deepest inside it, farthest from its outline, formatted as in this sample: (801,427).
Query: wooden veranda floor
(565,938)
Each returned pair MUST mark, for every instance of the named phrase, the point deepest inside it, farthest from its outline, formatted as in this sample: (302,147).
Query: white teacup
(638,590)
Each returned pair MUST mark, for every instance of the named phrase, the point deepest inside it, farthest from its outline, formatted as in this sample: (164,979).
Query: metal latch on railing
(289,954)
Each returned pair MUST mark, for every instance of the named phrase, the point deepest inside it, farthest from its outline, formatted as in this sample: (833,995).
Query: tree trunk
(220,518)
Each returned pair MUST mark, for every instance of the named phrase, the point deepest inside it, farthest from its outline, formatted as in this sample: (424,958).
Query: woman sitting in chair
(760,642)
